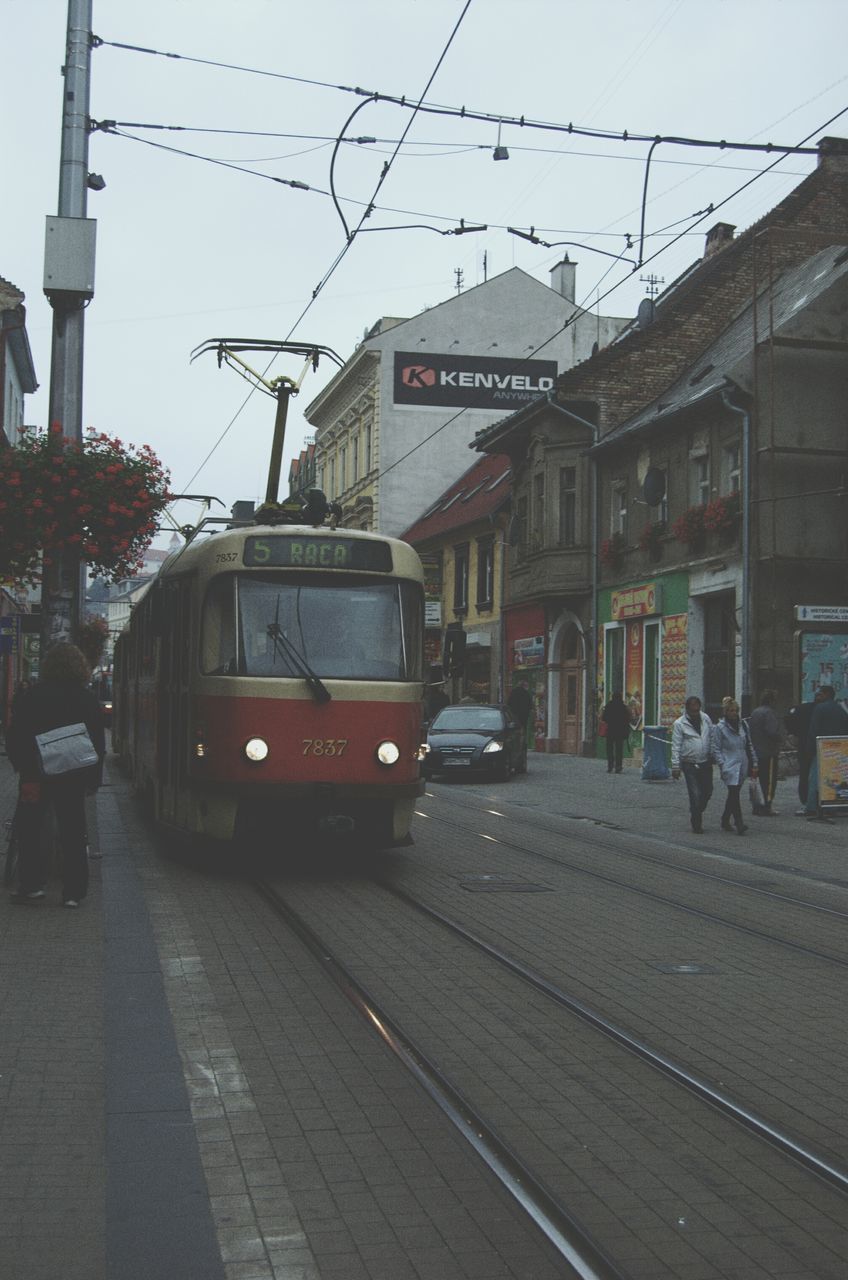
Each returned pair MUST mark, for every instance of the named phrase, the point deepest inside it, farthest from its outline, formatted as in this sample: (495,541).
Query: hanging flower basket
(612,549)
(722,514)
(100,498)
(689,527)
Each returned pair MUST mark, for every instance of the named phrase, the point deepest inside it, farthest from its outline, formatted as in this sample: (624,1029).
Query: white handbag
(65,750)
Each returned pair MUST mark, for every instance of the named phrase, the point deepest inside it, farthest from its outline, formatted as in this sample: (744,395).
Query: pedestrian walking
(60,698)
(691,755)
(797,722)
(829,720)
(734,754)
(767,739)
(616,717)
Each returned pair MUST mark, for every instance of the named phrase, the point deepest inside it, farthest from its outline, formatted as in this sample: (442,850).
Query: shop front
(524,633)
(644,653)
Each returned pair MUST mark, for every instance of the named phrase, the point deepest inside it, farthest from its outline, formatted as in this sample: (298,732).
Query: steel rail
(585,1257)
(762,1128)
(842,961)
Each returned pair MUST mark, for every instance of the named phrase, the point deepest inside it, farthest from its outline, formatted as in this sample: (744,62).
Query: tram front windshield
(268,626)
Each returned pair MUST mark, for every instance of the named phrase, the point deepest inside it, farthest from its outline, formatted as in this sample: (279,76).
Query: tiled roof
(481,492)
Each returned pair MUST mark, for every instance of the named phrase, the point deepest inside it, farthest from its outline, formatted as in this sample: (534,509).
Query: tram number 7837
(324,746)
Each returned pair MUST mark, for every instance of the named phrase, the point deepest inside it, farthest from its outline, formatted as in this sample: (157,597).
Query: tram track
(561,1227)
(564,864)
(575,1246)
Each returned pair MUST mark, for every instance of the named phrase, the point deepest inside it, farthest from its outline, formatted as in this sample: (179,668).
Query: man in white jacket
(691,755)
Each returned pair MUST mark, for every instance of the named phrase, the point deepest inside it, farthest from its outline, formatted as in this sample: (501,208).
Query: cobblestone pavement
(141,1134)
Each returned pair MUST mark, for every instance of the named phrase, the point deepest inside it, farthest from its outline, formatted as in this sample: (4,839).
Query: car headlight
(492,746)
(256,750)
(388,753)
(424,751)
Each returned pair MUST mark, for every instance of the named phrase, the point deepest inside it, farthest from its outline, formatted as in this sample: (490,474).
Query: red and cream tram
(270,685)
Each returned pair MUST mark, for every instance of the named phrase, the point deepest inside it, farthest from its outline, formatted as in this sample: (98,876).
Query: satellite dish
(645,313)
(653,486)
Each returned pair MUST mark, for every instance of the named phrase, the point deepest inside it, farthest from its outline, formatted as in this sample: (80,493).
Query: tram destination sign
(294,551)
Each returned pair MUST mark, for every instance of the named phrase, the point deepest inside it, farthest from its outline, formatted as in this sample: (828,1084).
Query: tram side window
(218,632)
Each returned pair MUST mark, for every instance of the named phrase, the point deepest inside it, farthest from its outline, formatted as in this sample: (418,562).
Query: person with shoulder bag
(56,743)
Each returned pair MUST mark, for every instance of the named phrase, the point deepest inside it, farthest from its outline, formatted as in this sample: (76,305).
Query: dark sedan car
(470,738)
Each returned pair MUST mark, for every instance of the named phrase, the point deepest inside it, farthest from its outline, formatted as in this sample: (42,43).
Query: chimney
(834,153)
(718,237)
(562,278)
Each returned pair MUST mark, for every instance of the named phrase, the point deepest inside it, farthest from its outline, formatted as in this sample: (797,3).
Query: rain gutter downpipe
(745,415)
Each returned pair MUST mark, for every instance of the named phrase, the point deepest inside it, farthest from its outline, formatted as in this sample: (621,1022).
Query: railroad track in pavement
(548,1187)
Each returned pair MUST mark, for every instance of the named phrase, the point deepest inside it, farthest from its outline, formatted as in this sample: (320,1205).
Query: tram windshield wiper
(296,660)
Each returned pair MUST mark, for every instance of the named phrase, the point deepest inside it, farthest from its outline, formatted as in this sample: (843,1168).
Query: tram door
(174,698)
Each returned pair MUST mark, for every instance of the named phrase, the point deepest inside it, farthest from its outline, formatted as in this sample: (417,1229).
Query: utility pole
(69,285)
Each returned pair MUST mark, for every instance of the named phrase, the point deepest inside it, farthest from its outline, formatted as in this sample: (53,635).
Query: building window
(485,573)
(538,509)
(731,469)
(460,577)
(618,514)
(567,506)
(343,469)
(333,476)
(699,481)
(367,448)
(355,457)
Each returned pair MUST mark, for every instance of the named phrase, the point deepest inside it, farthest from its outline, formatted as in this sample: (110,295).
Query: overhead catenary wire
(345,248)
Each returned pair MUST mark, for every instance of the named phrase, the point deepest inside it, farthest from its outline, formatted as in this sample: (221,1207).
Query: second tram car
(270,685)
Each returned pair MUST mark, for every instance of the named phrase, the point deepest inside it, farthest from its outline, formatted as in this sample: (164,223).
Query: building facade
(675,500)
(393,426)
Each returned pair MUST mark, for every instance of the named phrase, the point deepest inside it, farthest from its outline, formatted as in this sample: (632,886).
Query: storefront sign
(833,772)
(635,602)
(472,382)
(821,612)
(432,566)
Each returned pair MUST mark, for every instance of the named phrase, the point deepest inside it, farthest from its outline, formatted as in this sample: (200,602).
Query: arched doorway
(567,685)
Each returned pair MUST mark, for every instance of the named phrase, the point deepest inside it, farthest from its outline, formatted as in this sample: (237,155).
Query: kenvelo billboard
(470,382)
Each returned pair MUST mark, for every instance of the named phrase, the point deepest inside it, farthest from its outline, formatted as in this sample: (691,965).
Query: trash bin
(654,761)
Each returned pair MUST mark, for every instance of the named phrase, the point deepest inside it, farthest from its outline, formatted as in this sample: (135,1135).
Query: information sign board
(833,772)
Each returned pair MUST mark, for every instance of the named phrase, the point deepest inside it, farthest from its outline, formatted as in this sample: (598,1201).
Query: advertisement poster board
(673,667)
(833,773)
(823,660)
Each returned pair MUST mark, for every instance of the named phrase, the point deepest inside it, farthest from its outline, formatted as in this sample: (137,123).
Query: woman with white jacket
(736,758)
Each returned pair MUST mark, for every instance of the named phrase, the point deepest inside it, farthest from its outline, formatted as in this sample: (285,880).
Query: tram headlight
(388,753)
(256,750)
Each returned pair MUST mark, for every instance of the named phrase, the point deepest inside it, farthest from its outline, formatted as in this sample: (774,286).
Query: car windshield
(264,625)
(465,718)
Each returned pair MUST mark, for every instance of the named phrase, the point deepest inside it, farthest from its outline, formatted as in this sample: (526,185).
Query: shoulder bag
(65,750)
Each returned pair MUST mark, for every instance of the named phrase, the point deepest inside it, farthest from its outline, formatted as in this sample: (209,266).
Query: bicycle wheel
(10,865)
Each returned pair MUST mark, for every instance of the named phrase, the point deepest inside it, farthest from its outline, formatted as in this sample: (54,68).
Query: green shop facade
(643,652)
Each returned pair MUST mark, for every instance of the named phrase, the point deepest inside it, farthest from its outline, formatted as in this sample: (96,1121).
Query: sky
(199,236)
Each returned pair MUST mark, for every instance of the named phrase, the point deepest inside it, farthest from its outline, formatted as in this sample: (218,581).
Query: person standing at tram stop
(767,739)
(735,756)
(829,720)
(616,717)
(692,755)
(61,697)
